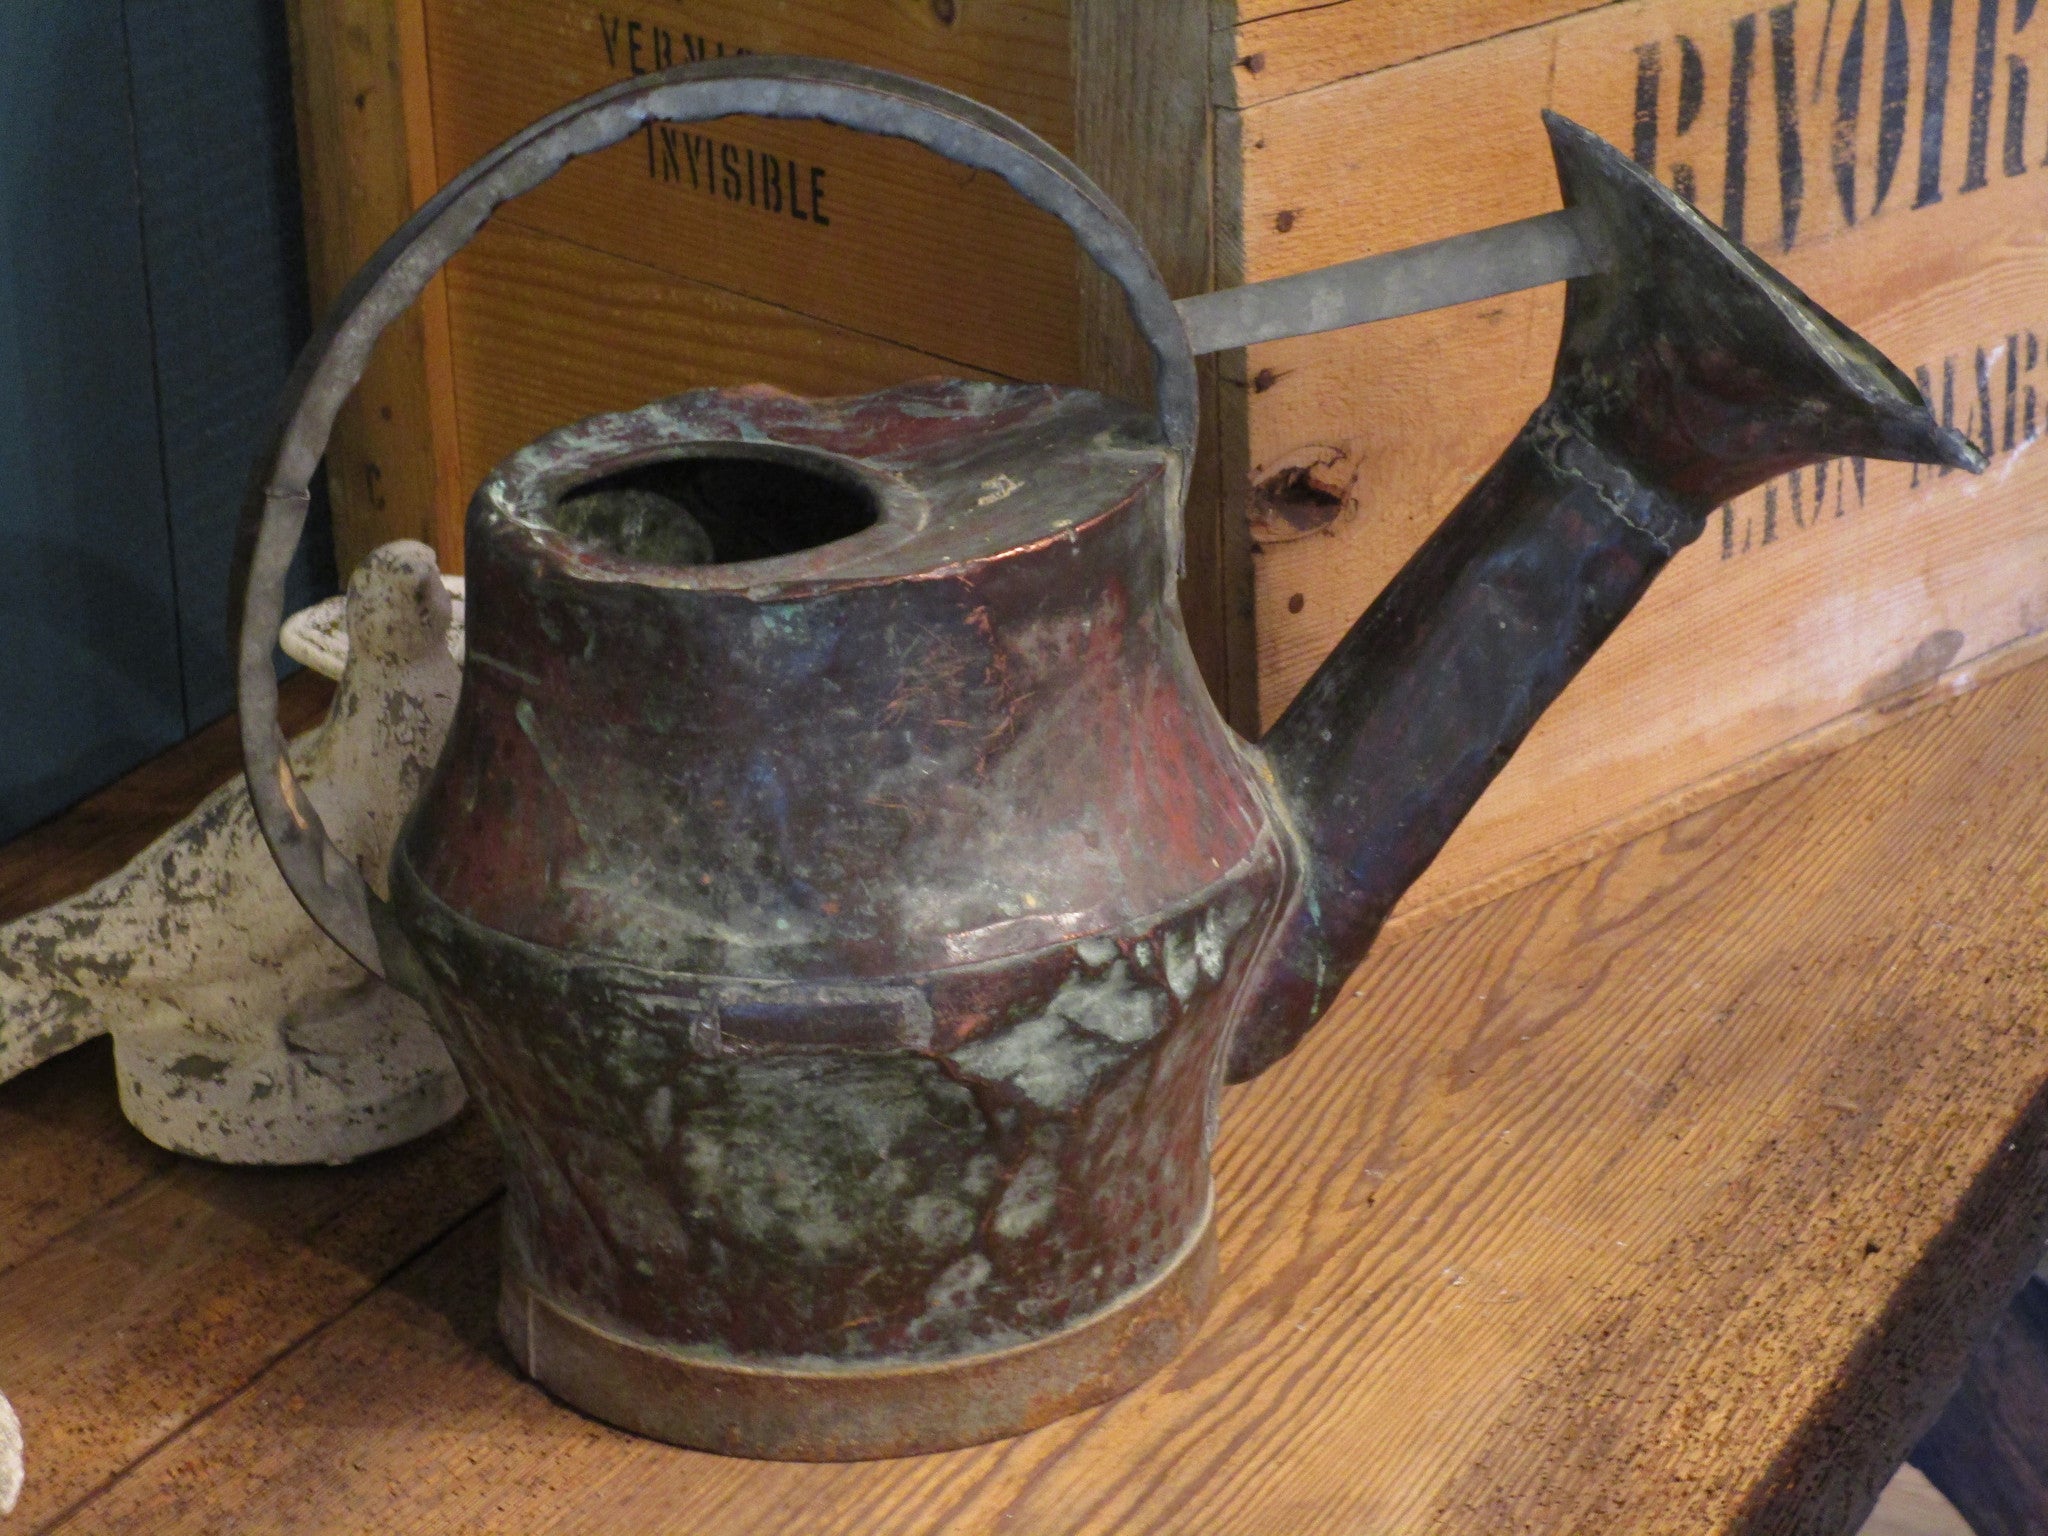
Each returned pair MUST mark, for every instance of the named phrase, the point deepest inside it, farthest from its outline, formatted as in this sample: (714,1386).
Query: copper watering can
(839,890)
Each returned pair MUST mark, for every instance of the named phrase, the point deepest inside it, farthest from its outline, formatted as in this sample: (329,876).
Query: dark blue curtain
(151,297)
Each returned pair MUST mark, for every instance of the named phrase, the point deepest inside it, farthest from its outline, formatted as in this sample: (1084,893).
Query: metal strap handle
(326,883)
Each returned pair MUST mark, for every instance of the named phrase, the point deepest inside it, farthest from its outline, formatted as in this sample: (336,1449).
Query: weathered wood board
(1269,48)
(876,235)
(1909,201)
(365,161)
(1664,1195)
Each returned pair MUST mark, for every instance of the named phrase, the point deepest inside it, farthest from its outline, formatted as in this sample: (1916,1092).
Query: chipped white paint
(317,637)
(241,1032)
(10,1457)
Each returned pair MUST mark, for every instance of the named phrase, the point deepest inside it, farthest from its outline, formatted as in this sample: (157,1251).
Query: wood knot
(1305,494)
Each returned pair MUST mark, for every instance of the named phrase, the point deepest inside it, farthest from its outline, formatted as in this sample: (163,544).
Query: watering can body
(838,888)
(848,939)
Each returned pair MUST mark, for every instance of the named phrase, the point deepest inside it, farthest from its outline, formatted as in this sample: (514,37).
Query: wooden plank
(160,1305)
(547,331)
(1278,49)
(65,1151)
(1447,16)
(356,170)
(878,235)
(424,175)
(1471,151)
(1144,135)
(1668,1194)
(1789,615)
(1433,902)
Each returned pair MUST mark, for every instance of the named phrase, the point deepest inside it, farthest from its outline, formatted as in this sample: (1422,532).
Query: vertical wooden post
(1143,129)
(365,161)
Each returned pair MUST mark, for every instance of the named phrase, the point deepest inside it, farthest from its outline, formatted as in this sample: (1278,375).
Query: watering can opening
(718,504)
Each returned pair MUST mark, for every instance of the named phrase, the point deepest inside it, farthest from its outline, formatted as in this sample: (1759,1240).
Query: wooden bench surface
(1665,1194)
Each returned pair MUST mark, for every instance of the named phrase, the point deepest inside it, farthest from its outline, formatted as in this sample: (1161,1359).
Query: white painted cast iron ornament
(10,1457)
(242,1033)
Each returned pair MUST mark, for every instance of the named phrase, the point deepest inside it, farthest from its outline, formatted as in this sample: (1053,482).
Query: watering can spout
(1688,372)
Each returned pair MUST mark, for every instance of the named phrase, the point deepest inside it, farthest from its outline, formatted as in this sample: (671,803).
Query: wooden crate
(1885,153)
(1906,195)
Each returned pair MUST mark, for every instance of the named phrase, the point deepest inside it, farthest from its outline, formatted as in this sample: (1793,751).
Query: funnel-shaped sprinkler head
(1699,367)
(1688,372)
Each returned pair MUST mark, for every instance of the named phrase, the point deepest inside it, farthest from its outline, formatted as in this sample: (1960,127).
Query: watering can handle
(330,888)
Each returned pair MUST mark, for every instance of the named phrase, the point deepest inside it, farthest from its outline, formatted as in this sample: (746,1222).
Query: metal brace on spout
(1528,253)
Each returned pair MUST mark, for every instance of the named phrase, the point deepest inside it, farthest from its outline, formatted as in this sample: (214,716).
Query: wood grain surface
(911,248)
(1666,1194)
(1275,48)
(65,1151)
(152,1310)
(1454,21)
(359,99)
(1145,137)
(138,1288)
(1818,596)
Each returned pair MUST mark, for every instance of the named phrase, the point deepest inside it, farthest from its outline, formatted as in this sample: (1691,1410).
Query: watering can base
(856,1413)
